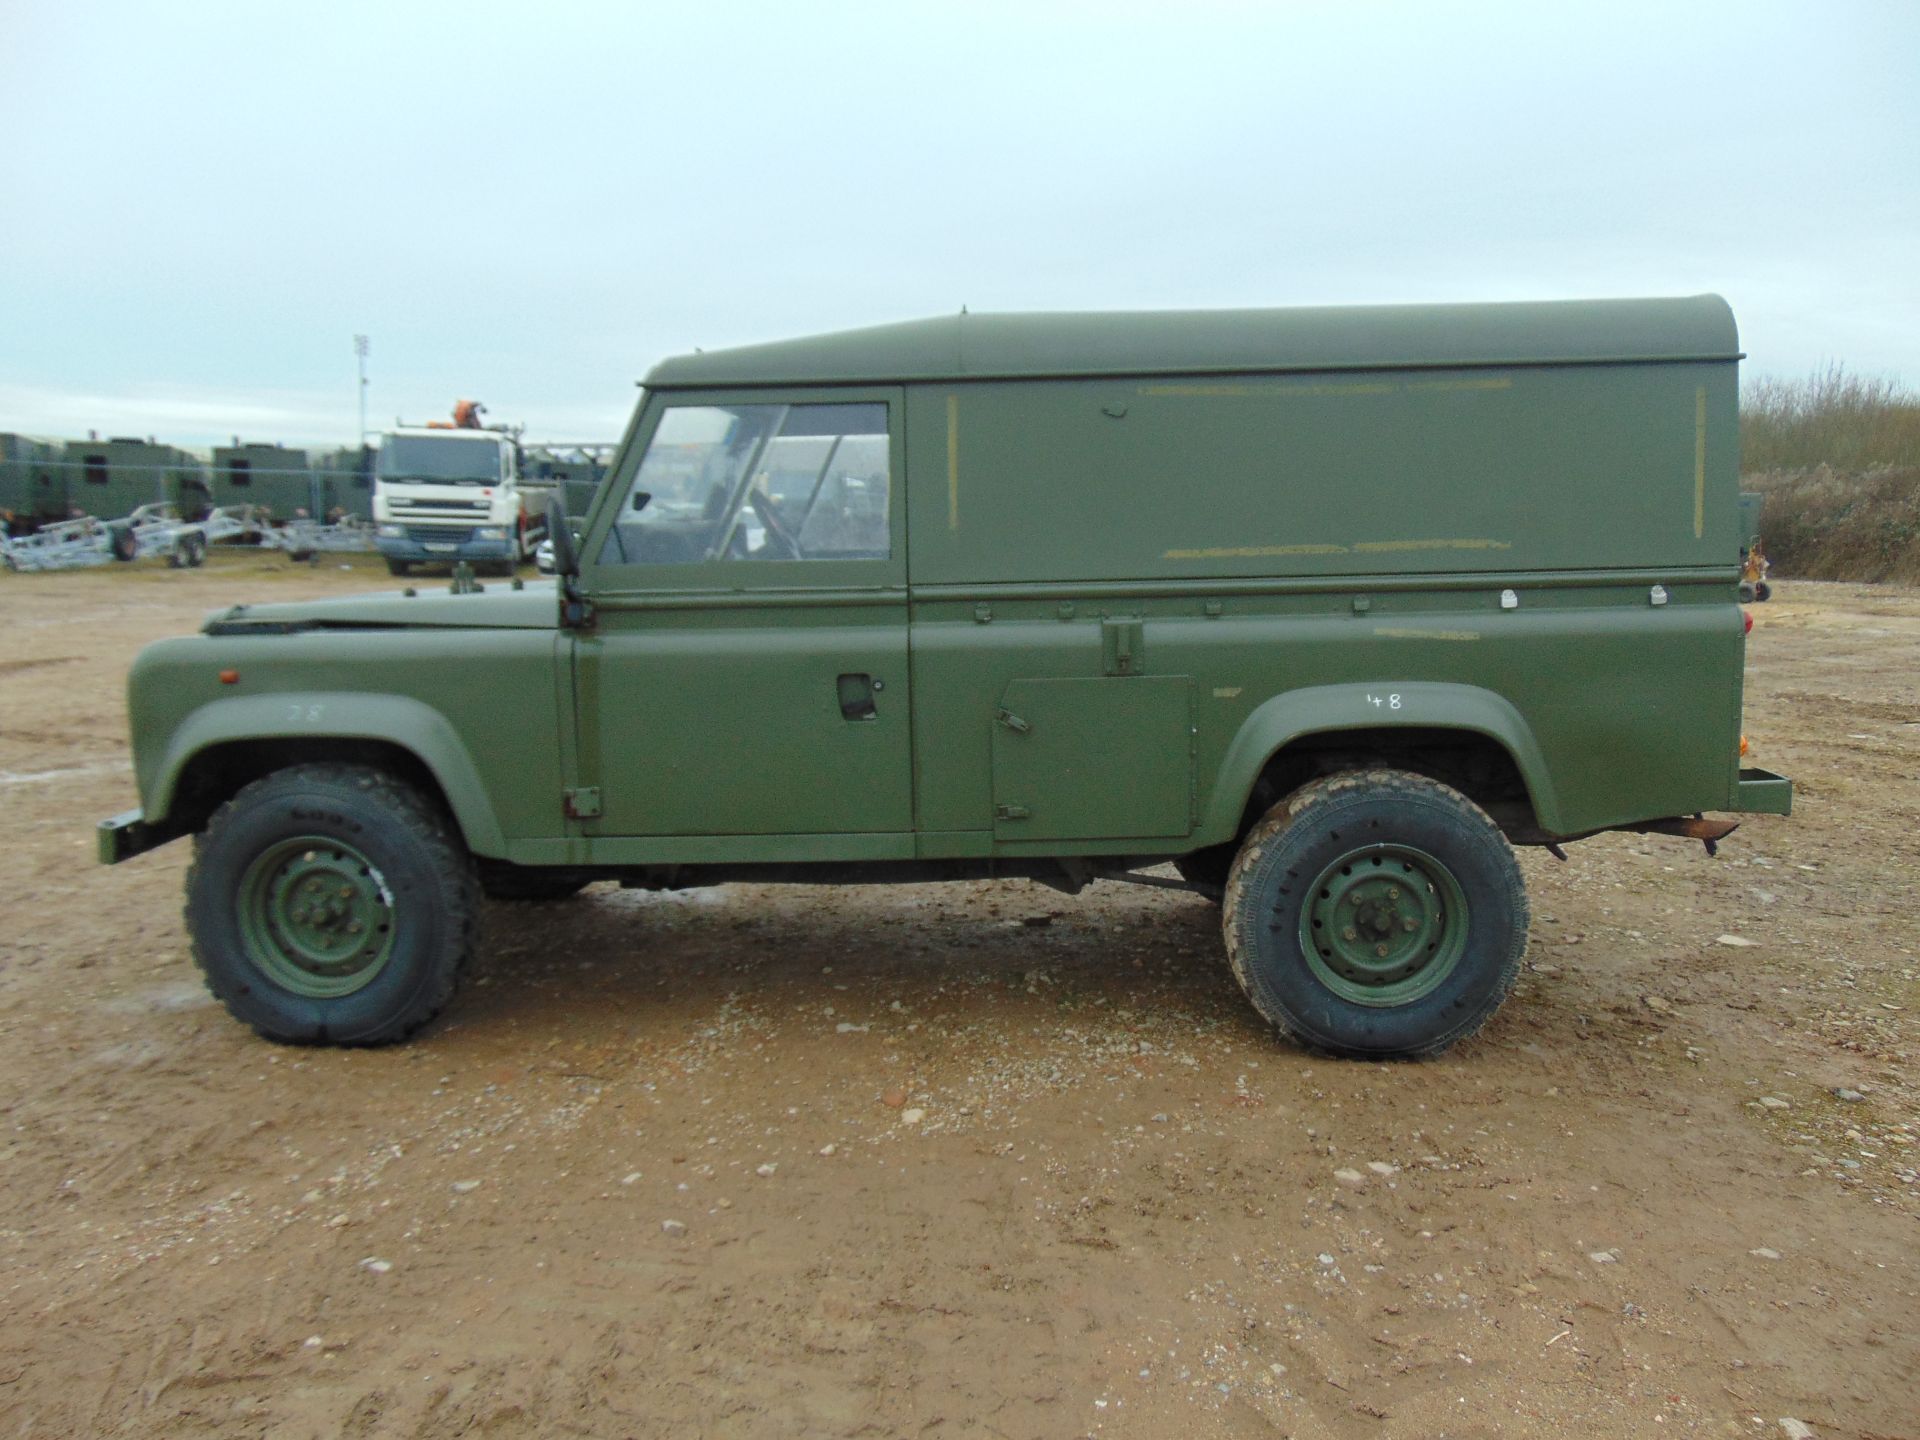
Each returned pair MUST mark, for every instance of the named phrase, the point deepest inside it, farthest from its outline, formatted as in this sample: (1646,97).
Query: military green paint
(1090,758)
(316,917)
(1383,925)
(1189,541)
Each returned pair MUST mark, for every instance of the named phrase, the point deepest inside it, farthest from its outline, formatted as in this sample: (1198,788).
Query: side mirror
(566,559)
(640,499)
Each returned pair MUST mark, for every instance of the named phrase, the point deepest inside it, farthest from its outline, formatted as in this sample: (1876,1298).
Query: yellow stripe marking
(1699,461)
(953,462)
(1282,392)
(1393,547)
(1395,633)
(1253,552)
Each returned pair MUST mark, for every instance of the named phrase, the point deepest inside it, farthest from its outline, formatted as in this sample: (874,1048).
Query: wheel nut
(1351,933)
(1393,892)
(1408,926)
(1381,951)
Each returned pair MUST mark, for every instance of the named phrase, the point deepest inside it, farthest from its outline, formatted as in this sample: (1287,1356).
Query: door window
(722,484)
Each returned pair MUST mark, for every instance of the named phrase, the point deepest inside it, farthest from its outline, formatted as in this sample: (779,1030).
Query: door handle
(856,696)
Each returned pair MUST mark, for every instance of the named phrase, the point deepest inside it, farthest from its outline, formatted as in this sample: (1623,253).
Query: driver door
(747,672)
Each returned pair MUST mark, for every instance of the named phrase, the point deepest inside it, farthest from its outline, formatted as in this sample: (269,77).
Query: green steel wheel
(1376,913)
(332,904)
(316,916)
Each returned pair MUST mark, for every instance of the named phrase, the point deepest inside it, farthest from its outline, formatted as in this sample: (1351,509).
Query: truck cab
(443,495)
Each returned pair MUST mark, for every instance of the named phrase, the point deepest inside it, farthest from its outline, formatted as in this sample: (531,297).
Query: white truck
(445,494)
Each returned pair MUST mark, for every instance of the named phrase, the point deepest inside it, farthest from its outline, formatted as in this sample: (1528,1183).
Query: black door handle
(856,697)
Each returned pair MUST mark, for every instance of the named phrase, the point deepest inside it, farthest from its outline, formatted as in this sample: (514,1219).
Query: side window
(727,483)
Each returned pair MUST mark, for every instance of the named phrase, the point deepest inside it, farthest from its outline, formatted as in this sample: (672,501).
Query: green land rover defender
(1328,608)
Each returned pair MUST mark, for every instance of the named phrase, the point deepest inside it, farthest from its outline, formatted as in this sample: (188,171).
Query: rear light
(1743,747)
(1747,615)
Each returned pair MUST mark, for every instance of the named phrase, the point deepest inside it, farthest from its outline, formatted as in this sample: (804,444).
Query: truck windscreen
(440,459)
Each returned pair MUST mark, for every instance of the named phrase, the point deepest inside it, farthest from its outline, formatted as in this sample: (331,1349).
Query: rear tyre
(527,883)
(332,904)
(399,567)
(121,542)
(196,550)
(1746,592)
(1376,914)
(1762,590)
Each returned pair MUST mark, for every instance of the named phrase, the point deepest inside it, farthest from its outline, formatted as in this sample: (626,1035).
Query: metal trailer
(305,538)
(33,486)
(274,478)
(150,531)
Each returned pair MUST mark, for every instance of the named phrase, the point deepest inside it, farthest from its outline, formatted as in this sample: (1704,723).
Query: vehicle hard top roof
(1175,342)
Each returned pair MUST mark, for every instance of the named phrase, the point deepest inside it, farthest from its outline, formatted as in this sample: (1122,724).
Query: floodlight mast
(360,347)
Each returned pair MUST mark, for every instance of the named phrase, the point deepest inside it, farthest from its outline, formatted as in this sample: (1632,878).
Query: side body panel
(478,707)
(1317,554)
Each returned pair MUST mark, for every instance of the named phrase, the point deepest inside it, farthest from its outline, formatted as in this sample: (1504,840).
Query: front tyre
(1376,914)
(331,904)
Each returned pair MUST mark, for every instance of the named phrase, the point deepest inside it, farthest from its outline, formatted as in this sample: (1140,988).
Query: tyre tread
(1323,793)
(447,855)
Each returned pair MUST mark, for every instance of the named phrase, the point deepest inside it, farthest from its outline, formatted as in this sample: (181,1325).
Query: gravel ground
(972,1159)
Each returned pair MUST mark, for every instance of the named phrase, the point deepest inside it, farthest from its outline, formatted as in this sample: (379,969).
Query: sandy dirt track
(1104,1201)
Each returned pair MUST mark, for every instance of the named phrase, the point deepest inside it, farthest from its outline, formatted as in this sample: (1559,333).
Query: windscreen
(440,460)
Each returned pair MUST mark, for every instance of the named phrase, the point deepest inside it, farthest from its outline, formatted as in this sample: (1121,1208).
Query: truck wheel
(1762,590)
(1376,914)
(196,550)
(121,542)
(1746,592)
(399,567)
(331,904)
(535,884)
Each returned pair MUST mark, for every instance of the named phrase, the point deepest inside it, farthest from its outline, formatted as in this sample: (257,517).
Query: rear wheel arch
(1460,735)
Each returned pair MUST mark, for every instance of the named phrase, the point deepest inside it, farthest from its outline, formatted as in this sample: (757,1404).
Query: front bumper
(1761,792)
(443,552)
(127,835)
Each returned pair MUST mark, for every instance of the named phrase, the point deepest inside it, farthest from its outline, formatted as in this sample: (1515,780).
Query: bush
(1826,525)
(1849,422)
(1837,457)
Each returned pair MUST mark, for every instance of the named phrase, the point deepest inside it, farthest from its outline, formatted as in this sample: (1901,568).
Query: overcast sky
(201,203)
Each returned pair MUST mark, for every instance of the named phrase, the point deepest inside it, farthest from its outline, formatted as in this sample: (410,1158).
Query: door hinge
(1122,645)
(1012,812)
(1012,721)
(582,803)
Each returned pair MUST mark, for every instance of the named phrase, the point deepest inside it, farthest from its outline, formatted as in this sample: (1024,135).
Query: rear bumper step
(1761,792)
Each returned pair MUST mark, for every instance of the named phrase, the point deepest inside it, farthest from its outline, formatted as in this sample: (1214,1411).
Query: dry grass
(1838,458)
